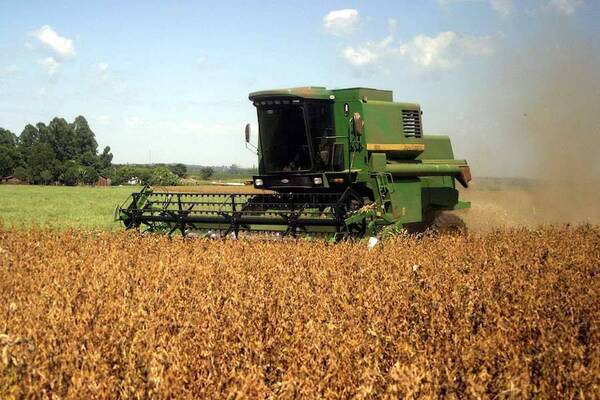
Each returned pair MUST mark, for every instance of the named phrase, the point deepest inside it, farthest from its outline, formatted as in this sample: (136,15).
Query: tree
(46,177)
(7,137)
(61,138)
(89,175)
(122,174)
(57,149)
(43,134)
(10,158)
(89,159)
(21,173)
(71,175)
(144,174)
(206,172)
(163,176)
(84,138)
(105,158)
(28,138)
(178,169)
(41,160)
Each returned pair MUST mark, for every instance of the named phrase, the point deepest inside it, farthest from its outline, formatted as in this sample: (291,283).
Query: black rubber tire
(446,223)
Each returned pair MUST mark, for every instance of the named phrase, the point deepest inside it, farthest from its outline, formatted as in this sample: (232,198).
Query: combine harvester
(341,163)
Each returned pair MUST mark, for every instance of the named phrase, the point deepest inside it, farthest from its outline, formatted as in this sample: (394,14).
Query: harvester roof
(322,93)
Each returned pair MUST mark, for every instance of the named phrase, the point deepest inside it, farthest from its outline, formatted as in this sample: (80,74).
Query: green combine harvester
(341,163)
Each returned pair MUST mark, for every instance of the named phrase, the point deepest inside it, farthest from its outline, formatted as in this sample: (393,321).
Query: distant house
(103,181)
(134,180)
(12,180)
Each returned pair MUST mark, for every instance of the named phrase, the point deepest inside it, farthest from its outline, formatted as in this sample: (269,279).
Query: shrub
(163,176)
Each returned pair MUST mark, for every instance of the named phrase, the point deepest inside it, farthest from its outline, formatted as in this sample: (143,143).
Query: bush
(178,169)
(206,172)
(71,175)
(46,177)
(21,173)
(89,175)
(163,176)
(10,158)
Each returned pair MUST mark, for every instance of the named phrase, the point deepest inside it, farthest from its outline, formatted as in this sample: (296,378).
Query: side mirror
(247,133)
(359,124)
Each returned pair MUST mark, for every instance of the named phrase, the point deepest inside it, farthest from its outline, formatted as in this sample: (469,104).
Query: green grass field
(495,202)
(61,206)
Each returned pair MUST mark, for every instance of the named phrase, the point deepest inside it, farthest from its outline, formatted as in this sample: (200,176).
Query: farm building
(12,180)
(103,181)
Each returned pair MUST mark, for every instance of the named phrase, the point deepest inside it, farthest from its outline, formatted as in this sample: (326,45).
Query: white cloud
(392,25)
(502,7)
(431,52)
(566,7)
(8,70)
(441,52)
(50,65)
(103,67)
(360,57)
(201,61)
(61,46)
(103,71)
(445,50)
(41,93)
(341,22)
(371,53)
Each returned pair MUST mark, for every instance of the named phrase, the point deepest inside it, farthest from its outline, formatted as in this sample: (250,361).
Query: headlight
(318,181)
(258,182)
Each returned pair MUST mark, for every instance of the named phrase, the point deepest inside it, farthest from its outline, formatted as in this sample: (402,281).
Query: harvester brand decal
(284,180)
(395,147)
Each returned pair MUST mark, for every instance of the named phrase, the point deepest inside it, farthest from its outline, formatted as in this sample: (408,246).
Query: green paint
(404,185)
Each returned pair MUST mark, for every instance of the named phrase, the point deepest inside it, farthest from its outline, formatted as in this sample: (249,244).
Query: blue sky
(169,80)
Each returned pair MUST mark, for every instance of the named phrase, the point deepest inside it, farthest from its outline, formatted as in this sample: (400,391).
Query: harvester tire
(446,223)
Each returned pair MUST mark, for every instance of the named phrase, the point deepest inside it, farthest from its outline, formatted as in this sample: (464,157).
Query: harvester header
(343,162)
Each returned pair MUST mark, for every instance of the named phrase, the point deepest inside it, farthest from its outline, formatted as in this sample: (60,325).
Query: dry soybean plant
(507,314)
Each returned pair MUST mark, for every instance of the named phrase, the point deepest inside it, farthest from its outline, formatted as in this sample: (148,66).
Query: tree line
(155,174)
(59,152)
(67,153)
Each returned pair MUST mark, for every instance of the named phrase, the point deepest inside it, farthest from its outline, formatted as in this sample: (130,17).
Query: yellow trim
(396,147)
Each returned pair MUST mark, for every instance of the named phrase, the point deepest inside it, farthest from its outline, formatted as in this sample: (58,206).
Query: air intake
(411,121)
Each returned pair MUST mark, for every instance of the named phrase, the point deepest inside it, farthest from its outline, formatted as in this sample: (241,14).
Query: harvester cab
(345,162)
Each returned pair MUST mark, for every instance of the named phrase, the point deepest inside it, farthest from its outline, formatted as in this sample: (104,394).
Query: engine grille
(411,121)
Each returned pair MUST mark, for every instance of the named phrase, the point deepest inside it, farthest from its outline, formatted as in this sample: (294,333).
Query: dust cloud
(544,99)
